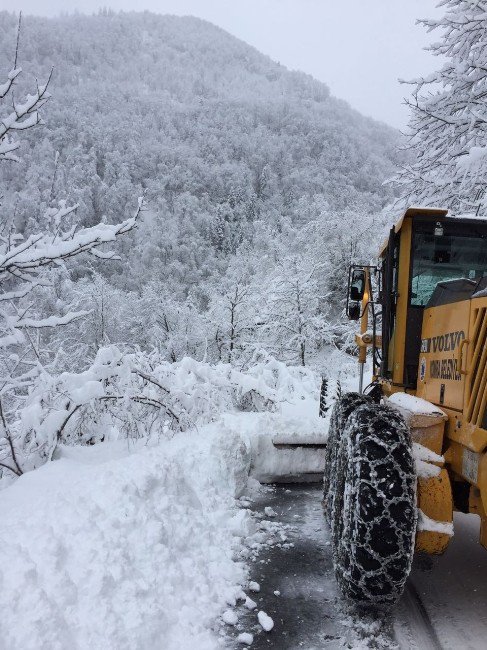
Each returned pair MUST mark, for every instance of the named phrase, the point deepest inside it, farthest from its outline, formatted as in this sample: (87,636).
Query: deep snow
(124,547)
(146,544)
(153,545)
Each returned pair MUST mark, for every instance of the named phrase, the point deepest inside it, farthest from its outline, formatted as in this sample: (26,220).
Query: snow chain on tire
(341,411)
(371,502)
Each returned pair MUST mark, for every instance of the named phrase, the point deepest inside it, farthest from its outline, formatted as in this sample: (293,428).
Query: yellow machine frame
(453,362)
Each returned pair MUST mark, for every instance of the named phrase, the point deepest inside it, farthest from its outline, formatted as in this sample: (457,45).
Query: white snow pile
(414,405)
(288,443)
(265,621)
(130,536)
(138,541)
(124,548)
(427,524)
(278,439)
(428,464)
(245,638)
(139,395)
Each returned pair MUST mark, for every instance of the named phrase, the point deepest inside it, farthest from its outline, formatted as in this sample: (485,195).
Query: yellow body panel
(440,380)
(452,374)
(435,500)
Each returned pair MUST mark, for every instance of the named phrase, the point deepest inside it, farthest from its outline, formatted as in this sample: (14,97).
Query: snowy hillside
(178,407)
(177,228)
(244,164)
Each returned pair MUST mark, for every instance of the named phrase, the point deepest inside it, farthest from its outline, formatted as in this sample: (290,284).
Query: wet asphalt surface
(304,612)
(307,612)
(442,606)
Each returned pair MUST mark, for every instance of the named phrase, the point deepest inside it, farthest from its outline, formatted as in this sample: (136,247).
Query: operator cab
(429,259)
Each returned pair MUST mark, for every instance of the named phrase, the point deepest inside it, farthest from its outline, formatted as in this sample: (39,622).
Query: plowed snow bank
(136,551)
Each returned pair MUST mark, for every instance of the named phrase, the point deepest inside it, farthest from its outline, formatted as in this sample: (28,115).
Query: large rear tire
(342,410)
(373,515)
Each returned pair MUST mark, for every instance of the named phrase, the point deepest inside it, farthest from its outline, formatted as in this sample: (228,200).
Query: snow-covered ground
(294,422)
(154,544)
(145,544)
(117,546)
(453,592)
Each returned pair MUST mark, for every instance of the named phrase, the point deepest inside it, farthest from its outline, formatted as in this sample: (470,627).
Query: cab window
(437,258)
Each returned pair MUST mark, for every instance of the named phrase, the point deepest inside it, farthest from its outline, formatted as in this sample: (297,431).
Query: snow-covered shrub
(289,383)
(139,395)
(117,395)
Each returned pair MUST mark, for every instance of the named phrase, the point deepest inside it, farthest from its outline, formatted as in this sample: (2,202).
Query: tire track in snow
(414,628)
(442,607)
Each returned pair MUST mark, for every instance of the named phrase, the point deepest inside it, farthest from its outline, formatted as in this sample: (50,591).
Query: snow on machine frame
(412,447)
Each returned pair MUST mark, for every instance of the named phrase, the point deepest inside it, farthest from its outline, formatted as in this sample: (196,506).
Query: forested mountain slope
(238,155)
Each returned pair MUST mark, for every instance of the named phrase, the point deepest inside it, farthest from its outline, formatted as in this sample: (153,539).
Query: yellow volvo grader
(411,448)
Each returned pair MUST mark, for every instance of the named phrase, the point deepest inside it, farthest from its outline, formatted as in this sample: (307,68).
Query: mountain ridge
(224,141)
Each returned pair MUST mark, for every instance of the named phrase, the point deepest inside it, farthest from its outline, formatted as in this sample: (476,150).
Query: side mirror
(357,285)
(356,291)
(353,311)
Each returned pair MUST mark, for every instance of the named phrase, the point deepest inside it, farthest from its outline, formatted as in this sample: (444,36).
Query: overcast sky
(358,47)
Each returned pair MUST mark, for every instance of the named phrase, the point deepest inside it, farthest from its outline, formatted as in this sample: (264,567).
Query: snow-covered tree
(233,313)
(447,133)
(223,139)
(25,259)
(296,319)
(173,326)
(236,155)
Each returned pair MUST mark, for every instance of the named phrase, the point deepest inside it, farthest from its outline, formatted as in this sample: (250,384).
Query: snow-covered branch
(26,265)
(133,395)
(447,131)
(23,116)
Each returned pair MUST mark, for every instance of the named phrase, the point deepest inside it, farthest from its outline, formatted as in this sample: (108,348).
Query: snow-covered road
(297,584)
(304,609)
(453,591)
(443,606)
